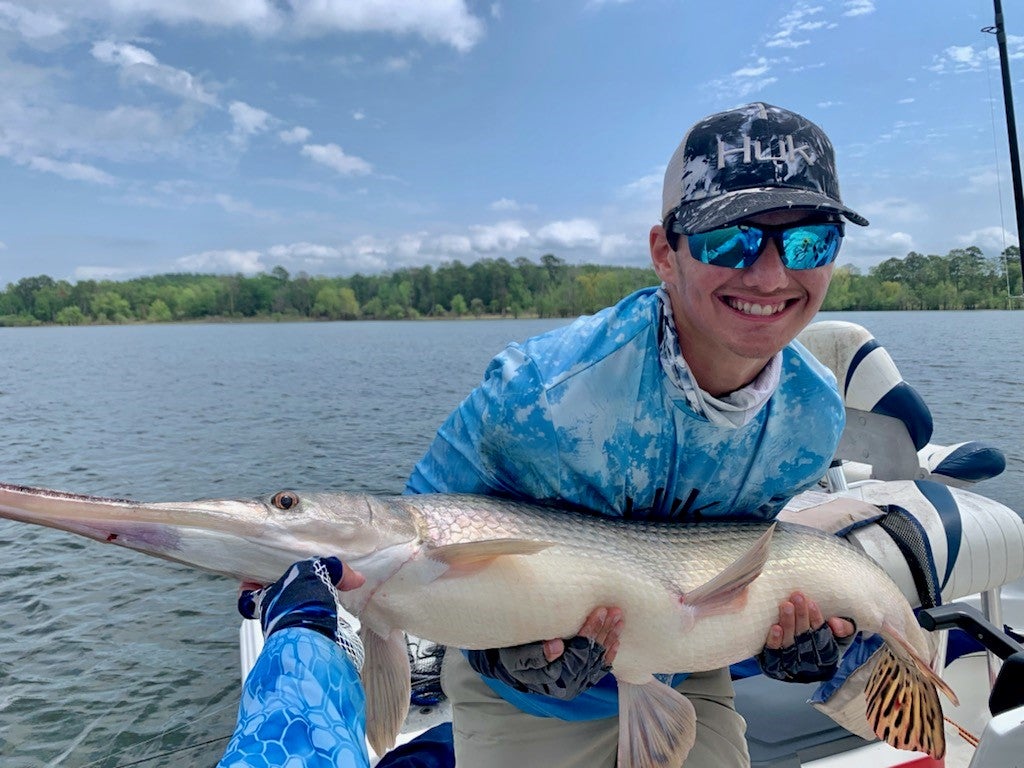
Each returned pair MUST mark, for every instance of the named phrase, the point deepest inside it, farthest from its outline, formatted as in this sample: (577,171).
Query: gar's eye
(285,499)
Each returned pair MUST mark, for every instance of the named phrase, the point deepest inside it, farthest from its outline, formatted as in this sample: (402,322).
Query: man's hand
(559,668)
(802,646)
(305,596)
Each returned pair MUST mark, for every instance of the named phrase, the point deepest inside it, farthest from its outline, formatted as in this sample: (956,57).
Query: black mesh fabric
(908,535)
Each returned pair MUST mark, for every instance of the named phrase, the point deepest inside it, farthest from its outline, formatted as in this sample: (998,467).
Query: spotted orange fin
(903,706)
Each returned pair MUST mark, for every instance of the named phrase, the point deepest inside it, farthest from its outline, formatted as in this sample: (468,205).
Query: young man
(686,402)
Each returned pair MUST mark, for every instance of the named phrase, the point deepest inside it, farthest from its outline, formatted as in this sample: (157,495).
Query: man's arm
(303,698)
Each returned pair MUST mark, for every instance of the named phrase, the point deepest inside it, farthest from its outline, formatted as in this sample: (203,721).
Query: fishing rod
(1011,124)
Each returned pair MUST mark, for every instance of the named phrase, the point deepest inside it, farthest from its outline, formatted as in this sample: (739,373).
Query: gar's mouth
(756,308)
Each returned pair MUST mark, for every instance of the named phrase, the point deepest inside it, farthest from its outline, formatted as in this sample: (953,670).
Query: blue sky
(336,136)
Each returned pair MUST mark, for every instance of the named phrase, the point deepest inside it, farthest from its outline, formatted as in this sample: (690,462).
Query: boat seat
(783,731)
(968,543)
(888,424)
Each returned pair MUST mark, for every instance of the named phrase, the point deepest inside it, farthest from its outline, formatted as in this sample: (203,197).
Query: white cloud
(95,272)
(859,7)
(614,246)
(439,21)
(71,171)
(747,80)
(504,204)
(897,210)
(248,121)
(307,256)
(986,179)
(358,115)
(296,135)
(992,240)
(646,188)
(254,15)
(871,246)
(32,25)
(796,23)
(365,254)
(753,86)
(574,233)
(243,207)
(397,63)
(335,158)
(503,236)
(958,59)
(454,245)
(229,261)
(753,71)
(140,66)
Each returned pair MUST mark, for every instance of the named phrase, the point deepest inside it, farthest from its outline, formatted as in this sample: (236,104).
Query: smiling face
(732,321)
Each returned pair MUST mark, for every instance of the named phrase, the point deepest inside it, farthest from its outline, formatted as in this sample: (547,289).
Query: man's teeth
(756,309)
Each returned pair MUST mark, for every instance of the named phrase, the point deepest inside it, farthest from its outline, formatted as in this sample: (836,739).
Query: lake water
(109,658)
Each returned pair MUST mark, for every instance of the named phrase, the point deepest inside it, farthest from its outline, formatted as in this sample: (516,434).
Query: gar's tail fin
(903,704)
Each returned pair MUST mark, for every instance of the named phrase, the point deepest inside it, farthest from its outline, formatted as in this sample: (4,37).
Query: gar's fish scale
(644,568)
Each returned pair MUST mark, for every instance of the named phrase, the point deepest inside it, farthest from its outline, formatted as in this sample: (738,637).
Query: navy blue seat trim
(865,349)
(902,402)
(949,513)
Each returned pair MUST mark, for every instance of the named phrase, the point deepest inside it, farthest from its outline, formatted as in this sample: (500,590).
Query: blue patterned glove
(304,597)
(525,668)
(813,657)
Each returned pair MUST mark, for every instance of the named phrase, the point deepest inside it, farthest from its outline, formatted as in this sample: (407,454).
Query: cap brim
(733,207)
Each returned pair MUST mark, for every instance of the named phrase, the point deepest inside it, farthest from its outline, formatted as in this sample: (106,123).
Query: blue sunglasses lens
(804,246)
(811,245)
(735,247)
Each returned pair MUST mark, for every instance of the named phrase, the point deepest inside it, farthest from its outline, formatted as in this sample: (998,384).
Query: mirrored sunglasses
(800,246)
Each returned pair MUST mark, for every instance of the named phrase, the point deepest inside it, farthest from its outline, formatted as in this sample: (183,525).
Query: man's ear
(662,255)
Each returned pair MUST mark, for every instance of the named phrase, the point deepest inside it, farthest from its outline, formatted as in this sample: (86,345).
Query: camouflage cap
(750,160)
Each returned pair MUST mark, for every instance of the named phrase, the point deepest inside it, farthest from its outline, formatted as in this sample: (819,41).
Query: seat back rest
(886,420)
(868,378)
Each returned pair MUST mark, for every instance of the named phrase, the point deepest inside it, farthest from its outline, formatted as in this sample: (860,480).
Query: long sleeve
(303,699)
(500,439)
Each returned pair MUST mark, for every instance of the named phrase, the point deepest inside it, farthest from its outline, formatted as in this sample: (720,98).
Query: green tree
(458,305)
(70,316)
(159,312)
(111,307)
(336,303)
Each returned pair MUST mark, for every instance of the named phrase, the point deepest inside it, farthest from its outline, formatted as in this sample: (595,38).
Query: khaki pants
(491,733)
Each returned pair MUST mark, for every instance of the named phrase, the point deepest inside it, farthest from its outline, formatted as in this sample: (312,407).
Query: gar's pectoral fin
(472,555)
(386,682)
(657,725)
(903,704)
(727,591)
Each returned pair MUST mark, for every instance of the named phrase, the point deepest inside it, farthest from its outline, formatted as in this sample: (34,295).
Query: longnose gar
(480,572)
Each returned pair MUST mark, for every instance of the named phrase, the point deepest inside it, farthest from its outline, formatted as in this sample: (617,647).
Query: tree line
(550,288)
(963,279)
